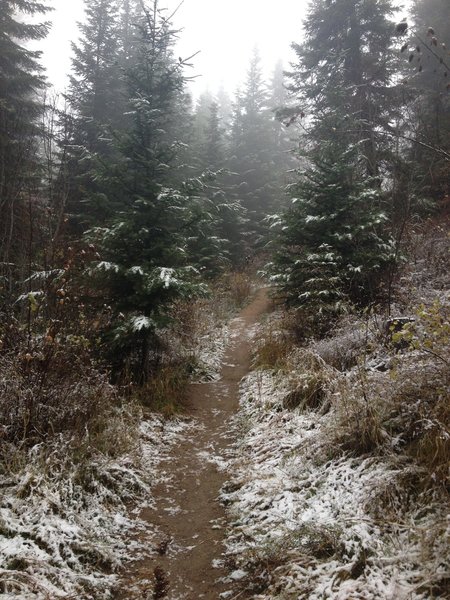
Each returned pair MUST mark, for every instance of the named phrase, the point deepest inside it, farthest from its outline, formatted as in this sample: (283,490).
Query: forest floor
(187,562)
(302,469)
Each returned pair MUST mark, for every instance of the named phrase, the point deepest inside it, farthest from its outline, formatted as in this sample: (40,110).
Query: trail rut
(187,513)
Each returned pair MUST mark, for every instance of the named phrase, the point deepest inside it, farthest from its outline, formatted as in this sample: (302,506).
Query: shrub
(310,380)
(50,389)
(272,351)
(345,344)
(307,543)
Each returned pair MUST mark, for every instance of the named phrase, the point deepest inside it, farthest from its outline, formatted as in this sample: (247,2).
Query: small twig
(240,594)
(430,49)
(428,351)
(170,17)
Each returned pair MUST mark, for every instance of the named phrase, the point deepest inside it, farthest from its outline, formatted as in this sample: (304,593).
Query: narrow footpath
(187,562)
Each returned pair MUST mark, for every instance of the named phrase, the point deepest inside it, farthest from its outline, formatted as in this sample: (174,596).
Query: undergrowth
(341,483)
(77,449)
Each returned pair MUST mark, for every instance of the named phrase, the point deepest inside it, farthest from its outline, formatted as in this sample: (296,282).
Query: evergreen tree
(217,246)
(281,145)
(199,128)
(335,242)
(214,140)
(95,83)
(332,244)
(208,136)
(225,109)
(147,247)
(21,80)
(343,75)
(96,96)
(427,81)
(251,158)
(228,221)
(131,12)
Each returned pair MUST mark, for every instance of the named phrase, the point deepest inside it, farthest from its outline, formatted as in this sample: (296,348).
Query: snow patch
(301,518)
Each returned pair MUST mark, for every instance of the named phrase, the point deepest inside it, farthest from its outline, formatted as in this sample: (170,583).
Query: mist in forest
(224,34)
(251,197)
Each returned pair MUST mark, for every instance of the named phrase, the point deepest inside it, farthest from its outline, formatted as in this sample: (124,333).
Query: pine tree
(343,75)
(95,83)
(427,79)
(228,213)
(251,158)
(21,80)
(131,12)
(332,247)
(199,128)
(281,144)
(225,109)
(215,247)
(214,140)
(335,243)
(147,260)
(96,97)
(208,136)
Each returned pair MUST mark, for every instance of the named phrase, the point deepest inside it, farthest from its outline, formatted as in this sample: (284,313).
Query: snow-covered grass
(65,526)
(338,485)
(199,332)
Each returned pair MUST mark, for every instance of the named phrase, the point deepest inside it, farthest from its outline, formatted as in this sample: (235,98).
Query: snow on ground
(65,526)
(210,351)
(308,522)
(65,529)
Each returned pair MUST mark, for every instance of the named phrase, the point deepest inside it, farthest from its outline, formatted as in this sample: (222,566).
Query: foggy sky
(225,32)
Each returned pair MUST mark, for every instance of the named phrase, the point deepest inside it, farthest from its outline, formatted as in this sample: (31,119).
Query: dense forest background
(122,199)
(130,197)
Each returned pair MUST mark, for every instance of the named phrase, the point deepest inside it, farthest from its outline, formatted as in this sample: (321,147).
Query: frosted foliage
(304,519)
(107,266)
(141,323)
(167,276)
(65,529)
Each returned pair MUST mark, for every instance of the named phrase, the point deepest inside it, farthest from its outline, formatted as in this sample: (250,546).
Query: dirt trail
(187,513)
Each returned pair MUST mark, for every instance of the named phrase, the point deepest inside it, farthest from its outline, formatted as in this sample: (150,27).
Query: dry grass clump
(310,380)
(109,436)
(427,268)
(305,544)
(358,427)
(421,420)
(272,352)
(189,321)
(60,504)
(304,372)
(239,286)
(112,434)
(405,410)
(350,340)
(274,343)
(166,390)
(307,323)
(396,494)
(425,276)
(318,541)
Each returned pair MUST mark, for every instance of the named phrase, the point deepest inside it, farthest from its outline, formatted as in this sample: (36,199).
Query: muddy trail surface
(187,562)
